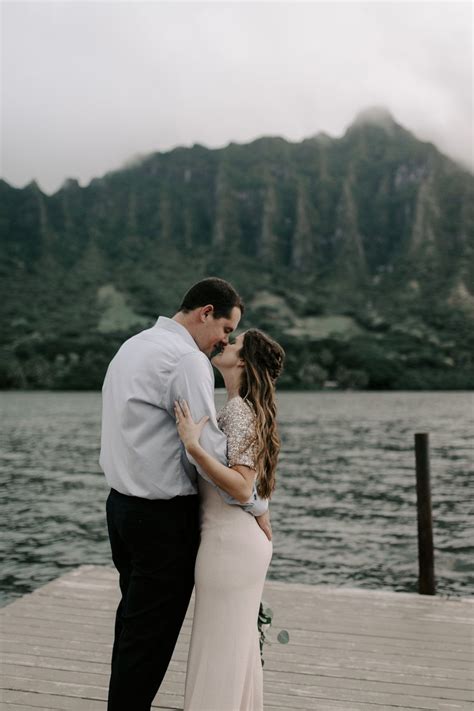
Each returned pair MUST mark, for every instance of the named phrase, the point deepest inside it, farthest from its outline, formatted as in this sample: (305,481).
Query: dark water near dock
(343,514)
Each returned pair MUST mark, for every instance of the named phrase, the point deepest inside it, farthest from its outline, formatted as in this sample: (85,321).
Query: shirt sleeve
(193,380)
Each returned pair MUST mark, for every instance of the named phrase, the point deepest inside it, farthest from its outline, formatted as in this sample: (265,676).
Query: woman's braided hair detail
(263,363)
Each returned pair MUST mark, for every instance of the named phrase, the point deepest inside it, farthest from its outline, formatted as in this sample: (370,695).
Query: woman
(224,672)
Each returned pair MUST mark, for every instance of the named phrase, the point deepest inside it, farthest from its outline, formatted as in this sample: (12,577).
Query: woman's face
(229,358)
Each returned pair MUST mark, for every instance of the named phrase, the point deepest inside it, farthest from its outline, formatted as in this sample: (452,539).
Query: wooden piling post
(426,579)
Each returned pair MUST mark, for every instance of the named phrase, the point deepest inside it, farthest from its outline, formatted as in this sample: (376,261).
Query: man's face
(214,332)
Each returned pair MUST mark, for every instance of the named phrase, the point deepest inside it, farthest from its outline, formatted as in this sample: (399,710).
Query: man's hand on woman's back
(264,523)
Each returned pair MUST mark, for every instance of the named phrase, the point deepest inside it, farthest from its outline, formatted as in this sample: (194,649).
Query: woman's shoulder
(238,404)
(237,408)
(237,420)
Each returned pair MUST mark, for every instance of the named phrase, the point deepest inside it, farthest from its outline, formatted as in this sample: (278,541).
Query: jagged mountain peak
(70,184)
(375,116)
(33,185)
(321,137)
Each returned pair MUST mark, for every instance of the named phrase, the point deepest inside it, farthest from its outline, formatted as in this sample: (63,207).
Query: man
(152,509)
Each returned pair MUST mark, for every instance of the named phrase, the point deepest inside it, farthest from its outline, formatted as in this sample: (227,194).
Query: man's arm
(255,504)
(193,381)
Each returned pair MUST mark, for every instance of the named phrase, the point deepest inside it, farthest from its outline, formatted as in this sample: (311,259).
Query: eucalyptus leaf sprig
(265,618)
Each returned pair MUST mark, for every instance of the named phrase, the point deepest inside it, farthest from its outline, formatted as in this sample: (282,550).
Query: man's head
(210,310)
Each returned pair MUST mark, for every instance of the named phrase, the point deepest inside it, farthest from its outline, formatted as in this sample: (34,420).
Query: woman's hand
(188,430)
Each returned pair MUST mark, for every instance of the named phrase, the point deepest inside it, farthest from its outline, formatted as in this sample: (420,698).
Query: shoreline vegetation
(430,350)
(397,359)
(422,380)
(363,363)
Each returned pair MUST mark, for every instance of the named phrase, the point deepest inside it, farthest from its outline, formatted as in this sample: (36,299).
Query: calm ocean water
(343,514)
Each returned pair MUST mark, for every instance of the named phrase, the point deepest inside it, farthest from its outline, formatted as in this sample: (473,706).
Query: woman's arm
(237,481)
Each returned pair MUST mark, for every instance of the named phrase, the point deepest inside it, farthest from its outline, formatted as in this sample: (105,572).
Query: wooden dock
(350,649)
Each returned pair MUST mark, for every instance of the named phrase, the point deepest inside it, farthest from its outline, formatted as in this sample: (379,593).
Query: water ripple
(343,513)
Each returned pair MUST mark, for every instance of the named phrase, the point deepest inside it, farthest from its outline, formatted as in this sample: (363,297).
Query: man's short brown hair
(215,291)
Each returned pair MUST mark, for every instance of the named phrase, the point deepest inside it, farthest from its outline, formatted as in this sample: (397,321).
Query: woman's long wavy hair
(263,362)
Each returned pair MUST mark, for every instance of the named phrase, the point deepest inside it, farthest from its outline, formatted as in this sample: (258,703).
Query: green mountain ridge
(356,252)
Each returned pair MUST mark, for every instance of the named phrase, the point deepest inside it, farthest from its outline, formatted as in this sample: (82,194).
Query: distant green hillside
(357,253)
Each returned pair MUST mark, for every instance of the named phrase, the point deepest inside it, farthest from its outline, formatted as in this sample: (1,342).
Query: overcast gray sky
(88,85)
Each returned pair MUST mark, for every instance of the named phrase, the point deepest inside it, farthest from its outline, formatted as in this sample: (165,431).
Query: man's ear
(206,311)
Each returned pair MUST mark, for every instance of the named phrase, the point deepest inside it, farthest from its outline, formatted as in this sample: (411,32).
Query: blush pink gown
(224,671)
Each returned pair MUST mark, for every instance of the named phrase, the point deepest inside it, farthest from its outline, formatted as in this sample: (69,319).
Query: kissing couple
(188,502)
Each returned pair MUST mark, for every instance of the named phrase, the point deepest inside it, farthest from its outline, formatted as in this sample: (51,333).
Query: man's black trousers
(154,545)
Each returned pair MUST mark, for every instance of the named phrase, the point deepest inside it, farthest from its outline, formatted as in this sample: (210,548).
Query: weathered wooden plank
(31,660)
(387,682)
(387,690)
(82,692)
(456,639)
(316,651)
(80,652)
(455,649)
(24,633)
(40,702)
(278,684)
(292,652)
(349,698)
(92,687)
(375,668)
(44,686)
(360,668)
(289,697)
(278,656)
(341,706)
(284,671)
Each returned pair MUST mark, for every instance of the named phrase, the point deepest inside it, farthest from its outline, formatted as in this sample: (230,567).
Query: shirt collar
(169,325)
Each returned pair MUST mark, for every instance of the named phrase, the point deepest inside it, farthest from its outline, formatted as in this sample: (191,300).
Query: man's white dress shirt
(141,453)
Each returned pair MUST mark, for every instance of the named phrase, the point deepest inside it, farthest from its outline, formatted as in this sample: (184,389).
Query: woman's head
(262,359)
(257,361)
(254,357)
